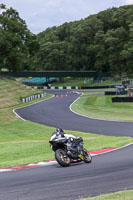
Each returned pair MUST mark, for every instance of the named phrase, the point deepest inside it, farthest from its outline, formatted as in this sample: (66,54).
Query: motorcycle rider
(72,141)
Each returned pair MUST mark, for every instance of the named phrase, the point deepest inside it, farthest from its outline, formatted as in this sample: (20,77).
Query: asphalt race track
(55,112)
(107,173)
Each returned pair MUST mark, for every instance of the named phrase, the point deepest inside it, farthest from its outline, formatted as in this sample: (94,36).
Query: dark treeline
(102,42)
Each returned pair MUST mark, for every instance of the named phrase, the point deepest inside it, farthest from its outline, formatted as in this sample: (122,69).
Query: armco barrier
(76,87)
(94,87)
(110,93)
(60,88)
(35,96)
(122,99)
(115,93)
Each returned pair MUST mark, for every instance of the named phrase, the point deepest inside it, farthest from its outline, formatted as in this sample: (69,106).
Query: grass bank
(124,195)
(10,93)
(102,107)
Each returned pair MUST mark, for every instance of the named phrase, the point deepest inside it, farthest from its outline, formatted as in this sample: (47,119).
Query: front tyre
(87,156)
(62,158)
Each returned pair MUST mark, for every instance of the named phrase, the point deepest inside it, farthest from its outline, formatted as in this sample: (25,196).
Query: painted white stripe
(68,87)
(33,164)
(48,163)
(14,110)
(114,149)
(6,170)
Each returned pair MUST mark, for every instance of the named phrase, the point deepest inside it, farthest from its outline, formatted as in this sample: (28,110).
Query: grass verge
(102,107)
(83,82)
(124,195)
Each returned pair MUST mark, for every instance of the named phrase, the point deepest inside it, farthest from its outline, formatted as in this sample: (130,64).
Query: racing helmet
(59,131)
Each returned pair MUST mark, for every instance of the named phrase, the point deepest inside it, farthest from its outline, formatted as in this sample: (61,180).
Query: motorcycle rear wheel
(62,158)
(87,156)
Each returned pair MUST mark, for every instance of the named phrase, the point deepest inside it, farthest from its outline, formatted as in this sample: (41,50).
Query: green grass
(102,107)
(124,195)
(69,82)
(82,82)
(93,92)
(23,142)
(10,93)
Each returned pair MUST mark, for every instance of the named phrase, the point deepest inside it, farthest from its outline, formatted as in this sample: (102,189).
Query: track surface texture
(55,112)
(107,173)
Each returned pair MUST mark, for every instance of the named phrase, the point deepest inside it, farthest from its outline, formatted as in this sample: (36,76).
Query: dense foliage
(102,42)
(17,43)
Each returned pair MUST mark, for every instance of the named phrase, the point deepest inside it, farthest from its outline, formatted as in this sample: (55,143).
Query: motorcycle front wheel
(62,158)
(87,156)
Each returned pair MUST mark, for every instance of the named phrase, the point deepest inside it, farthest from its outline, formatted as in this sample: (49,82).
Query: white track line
(70,107)
(115,149)
(14,110)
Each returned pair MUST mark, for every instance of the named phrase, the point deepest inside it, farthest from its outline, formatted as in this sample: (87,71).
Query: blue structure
(39,81)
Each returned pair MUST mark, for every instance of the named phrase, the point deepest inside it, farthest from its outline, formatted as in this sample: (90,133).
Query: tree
(101,54)
(127,53)
(52,56)
(16,40)
(115,40)
(101,42)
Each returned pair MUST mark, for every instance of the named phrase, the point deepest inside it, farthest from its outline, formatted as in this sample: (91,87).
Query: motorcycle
(64,155)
